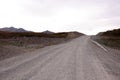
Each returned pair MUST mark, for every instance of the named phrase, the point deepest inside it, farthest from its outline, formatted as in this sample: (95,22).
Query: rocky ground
(16,46)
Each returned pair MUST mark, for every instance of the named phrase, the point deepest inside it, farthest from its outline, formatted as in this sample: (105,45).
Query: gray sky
(87,16)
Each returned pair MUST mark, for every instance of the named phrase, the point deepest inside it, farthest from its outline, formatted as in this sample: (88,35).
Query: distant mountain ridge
(48,32)
(13,29)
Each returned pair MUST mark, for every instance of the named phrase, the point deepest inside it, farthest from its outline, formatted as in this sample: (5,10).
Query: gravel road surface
(79,59)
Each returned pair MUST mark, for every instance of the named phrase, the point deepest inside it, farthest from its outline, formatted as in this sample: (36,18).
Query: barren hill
(109,38)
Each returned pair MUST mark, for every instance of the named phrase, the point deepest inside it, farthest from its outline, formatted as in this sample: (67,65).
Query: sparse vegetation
(111,33)
(32,34)
(109,38)
(29,41)
(28,38)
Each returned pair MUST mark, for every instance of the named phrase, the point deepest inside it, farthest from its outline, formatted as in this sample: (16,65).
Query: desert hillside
(109,38)
(15,43)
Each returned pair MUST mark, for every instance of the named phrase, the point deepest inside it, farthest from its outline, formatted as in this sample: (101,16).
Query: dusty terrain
(78,59)
(113,42)
(109,38)
(17,43)
(20,45)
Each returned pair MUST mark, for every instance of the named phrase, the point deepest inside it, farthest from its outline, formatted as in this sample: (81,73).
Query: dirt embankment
(16,46)
(109,38)
(15,43)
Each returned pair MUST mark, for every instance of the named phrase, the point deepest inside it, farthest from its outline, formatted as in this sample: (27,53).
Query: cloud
(61,15)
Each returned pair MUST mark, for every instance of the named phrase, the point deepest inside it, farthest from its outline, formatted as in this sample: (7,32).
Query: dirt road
(79,59)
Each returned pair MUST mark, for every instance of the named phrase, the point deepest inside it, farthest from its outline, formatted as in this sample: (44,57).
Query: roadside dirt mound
(20,45)
(15,43)
(109,38)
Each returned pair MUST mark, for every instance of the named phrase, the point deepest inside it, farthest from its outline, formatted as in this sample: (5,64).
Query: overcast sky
(87,16)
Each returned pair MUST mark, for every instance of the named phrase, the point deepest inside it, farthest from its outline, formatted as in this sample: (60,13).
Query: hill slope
(16,43)
(109,38)
(111,33)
